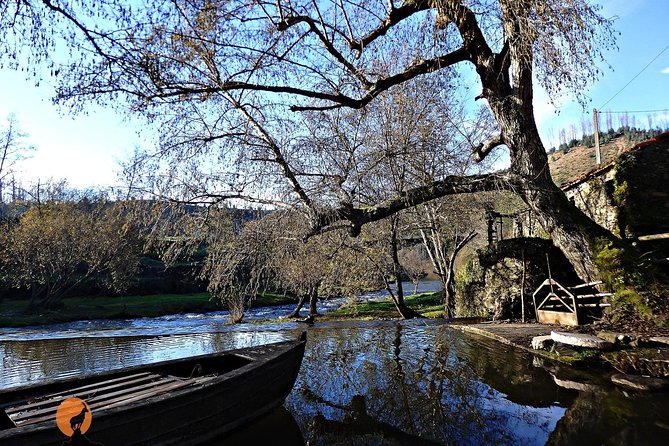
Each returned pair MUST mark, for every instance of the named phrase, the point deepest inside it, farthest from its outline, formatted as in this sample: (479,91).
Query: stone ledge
(638,382)
(581,340)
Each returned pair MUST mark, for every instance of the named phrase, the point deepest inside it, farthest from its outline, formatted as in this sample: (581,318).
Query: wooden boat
(184,401)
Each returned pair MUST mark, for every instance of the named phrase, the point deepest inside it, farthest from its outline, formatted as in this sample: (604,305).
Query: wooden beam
(584,285)
(579,296)
(80,392)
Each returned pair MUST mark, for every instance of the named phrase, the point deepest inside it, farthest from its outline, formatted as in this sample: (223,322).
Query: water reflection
(389,383)
(25,361)
(412,384)
(279,427)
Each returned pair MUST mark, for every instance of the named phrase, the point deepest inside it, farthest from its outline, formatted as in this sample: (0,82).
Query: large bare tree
(226,75)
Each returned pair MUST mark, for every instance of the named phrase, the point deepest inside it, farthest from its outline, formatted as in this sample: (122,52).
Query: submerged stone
(638,382)
(615,338)
(581,340)
(576,385)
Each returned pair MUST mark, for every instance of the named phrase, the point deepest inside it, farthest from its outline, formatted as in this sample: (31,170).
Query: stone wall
(595,198)
(642,190)
(629,197)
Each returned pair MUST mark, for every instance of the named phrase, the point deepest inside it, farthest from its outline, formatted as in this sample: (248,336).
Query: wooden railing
(563,305)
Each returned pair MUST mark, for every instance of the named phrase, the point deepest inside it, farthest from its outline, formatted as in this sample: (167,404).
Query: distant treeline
(631,134)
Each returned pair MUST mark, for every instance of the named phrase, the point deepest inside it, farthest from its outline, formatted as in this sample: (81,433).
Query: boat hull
(190,415)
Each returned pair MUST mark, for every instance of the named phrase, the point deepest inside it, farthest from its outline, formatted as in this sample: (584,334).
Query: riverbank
(13,312)
(428,305)
(631,353)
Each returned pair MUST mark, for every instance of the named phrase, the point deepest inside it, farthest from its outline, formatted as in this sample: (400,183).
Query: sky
(86,148)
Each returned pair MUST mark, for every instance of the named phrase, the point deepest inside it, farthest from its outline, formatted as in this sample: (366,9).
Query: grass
(580,160)
(427,304)
(13,312)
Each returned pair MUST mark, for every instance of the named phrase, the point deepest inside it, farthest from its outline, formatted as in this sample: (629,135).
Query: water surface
(388,383)
(189,323)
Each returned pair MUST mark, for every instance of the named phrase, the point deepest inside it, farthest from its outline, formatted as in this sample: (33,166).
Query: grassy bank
(427,304)
(13,312)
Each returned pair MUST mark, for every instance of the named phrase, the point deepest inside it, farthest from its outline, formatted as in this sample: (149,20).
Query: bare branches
(276,150)
(384,84)
(289,21)
(12,149)
(448,186)
(395,16)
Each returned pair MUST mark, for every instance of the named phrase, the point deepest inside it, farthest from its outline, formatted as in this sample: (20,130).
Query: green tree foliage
(57,246)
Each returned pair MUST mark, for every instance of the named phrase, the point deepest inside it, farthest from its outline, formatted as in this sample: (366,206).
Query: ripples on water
(25,361)
(212,322)
(386,383)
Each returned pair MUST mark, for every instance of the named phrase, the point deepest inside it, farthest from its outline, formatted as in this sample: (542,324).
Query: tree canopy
(233,86)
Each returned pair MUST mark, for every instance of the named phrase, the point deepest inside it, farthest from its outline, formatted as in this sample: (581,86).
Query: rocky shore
(633,361)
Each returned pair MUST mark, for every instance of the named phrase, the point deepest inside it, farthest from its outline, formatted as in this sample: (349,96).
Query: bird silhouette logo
(74,418)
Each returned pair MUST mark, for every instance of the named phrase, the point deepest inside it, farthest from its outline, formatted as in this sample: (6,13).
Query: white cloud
(665,71)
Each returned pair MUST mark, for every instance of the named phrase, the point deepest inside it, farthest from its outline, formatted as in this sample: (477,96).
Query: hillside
(567,167)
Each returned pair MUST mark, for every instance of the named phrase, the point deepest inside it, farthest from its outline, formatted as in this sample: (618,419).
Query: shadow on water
(278,427)
(390,383)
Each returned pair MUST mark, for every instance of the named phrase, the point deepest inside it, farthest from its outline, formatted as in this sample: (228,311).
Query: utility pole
(595,119)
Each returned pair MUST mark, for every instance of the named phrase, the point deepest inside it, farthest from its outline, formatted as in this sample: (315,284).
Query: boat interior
(28,407)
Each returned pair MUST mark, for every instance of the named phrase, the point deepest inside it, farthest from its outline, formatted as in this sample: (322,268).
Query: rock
(638,382)
(575,385)
(664,340)
(542,342)
(581,340)
(615,338)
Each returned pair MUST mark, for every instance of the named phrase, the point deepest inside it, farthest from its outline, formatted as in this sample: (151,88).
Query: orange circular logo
(73,415)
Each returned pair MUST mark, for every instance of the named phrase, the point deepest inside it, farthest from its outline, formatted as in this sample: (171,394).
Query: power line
(637,75)
(636,111)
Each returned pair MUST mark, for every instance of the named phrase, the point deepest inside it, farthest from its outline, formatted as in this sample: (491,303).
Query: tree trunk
(522,289)
(449,294)
(569,228)
(398,297)
(300,303)
(449,282)
(313,299)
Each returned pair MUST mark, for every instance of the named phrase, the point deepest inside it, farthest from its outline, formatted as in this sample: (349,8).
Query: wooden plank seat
(82,392)
(102,395)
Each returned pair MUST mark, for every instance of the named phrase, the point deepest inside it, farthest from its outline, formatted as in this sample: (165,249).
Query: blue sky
(644,34)
(86,148)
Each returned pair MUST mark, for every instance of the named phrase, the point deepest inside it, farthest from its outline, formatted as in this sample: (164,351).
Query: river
(380,382)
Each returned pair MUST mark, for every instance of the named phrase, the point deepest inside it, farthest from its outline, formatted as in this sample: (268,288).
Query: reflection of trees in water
(614,418)
(391,385)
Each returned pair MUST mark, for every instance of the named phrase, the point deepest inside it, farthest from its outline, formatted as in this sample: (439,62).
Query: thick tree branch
(482,150)
(395,16)
(450,185)
(414,70)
